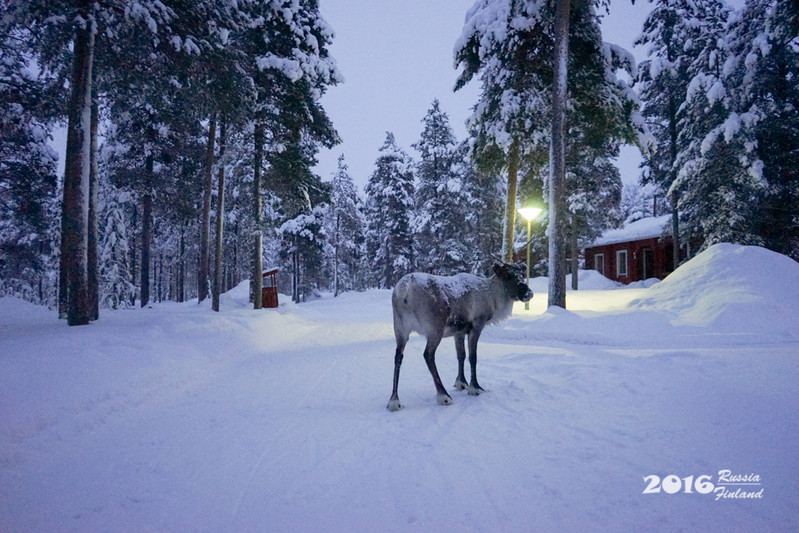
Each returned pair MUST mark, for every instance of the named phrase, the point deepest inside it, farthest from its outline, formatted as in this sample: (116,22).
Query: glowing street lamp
(529,213)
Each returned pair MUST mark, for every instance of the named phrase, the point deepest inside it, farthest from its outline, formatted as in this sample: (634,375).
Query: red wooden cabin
(638,251)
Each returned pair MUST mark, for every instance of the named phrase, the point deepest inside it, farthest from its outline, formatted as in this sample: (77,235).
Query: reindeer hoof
(444,399)
(476,391)
(460,385)
(394,405)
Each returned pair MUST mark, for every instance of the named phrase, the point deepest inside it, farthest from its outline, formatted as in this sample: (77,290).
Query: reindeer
(454,306)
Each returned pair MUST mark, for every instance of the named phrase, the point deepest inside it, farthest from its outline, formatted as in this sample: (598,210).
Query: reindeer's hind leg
(393,402)
(433,341)
(474,387)
(460,381)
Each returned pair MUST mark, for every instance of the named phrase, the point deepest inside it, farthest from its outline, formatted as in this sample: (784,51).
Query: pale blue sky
(397,56)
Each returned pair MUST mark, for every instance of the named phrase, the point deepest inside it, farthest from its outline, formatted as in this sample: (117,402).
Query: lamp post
(529,213)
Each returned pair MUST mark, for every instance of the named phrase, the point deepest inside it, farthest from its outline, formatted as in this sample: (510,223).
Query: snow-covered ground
(176,418)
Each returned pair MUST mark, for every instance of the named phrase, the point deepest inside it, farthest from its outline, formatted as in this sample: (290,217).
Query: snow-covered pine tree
(290,69)
(438,227)
(116,284)
(304,238)
(719,196)
(27,171)
(64,39)
(761,76)
(675,33)
(389,208)
(507,121)
(641,201)
(594,190)
(485,195)
(345,228)
(511,45)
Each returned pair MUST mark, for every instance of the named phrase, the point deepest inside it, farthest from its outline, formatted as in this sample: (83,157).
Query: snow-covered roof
(645,228)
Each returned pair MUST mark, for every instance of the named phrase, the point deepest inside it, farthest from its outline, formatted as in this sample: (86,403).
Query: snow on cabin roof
(645,228)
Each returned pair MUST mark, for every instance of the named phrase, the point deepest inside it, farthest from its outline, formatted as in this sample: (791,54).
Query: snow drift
(734,289)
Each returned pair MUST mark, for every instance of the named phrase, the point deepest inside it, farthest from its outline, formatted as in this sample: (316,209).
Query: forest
(192,130)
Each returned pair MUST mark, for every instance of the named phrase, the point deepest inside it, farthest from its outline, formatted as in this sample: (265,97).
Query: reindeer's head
(514,280)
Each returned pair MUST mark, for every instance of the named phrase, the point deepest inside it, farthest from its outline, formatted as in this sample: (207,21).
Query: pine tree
(27,169)
(117,283)
(304,239)
(676,33)
(719,196)
(290,68)
(760,76)
(345,225)
(512,46)
(438,227)
(389,207)
(640,201)
(485,196)
(76,31)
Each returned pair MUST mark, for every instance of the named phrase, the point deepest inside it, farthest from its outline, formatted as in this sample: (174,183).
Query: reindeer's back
(426,303)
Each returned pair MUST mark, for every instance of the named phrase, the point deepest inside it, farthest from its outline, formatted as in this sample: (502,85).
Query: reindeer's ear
(497,268)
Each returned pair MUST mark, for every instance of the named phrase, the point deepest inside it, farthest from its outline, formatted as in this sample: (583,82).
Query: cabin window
(599,263)
(621,263)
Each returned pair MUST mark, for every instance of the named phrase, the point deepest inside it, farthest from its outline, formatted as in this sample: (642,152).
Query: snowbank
(734,289)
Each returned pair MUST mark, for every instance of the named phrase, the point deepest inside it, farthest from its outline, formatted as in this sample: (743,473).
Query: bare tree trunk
(133,255)
(63,283)
(675,195)
(295,275)
(256,281)
(575,254)
(557,160)
(147,220)
(93,238)
(181,289)
(75,211)
(220,219)
(205,223)
(510,206)
(335,257)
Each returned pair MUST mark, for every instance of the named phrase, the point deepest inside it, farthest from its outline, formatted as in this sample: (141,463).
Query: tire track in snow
(281,430)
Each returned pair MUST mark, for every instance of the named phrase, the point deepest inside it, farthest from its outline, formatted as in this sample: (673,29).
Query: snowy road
(179,419)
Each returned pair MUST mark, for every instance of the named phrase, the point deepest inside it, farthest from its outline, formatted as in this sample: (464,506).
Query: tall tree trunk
(133,255)
(63,283)
(510,206)
(75,211)
(205,223)
(147,220)
(675,228)
(181,289)
(674,195)
(256,282)
(335,256)
(295,283)
(220,218)
(557,160)
(575,253)
(93,237)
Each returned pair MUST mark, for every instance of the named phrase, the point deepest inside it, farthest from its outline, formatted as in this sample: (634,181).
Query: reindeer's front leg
(474,387)
(460,382)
